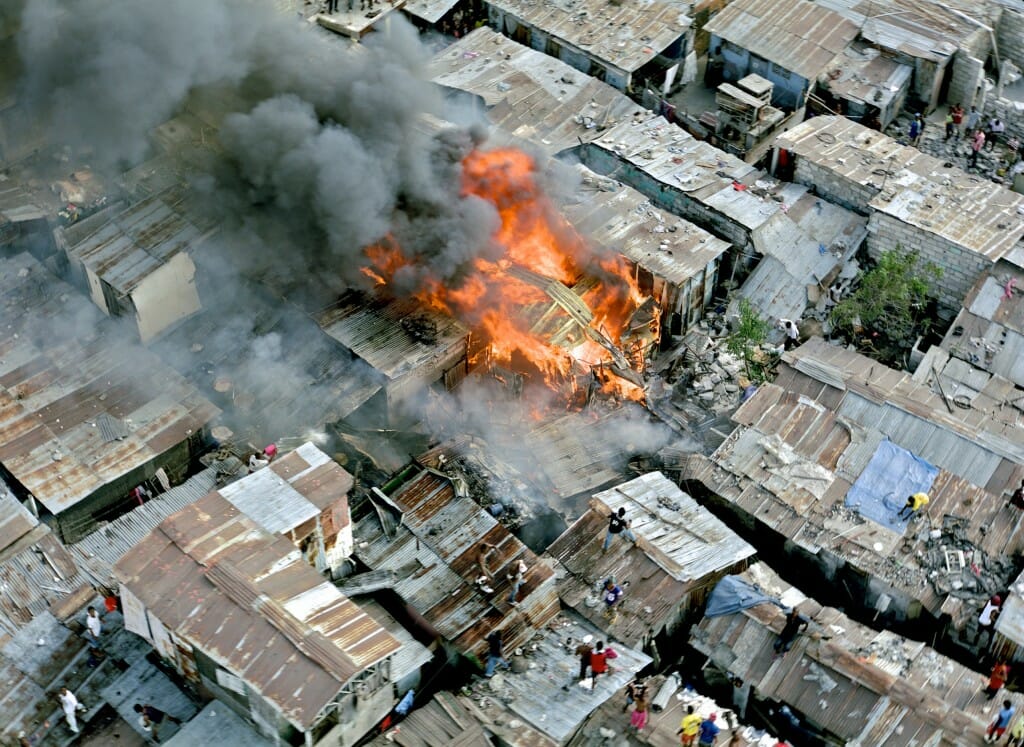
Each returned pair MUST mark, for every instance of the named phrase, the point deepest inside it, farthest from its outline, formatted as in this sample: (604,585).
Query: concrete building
(88,417)
(823,459)
(958,222)
(626,46)
(788,42)
(136,262)
(238,612)
(846,683)
(528,95)
(681,552)
(947,44)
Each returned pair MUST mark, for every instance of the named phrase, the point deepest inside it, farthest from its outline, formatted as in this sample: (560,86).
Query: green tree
(749,332)
(890,300)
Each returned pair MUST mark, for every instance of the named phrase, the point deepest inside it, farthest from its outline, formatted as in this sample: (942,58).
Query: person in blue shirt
(708,731)
(1001,724)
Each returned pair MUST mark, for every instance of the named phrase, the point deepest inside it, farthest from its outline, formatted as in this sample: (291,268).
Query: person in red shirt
(997,679)
(958,118)
(598,661)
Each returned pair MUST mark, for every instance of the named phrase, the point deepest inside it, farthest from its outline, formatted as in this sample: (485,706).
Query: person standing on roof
(495,654)
(1016,734)
(611,593)
(708,732)
(915,503)
(93,630)
(598,661)
(795,622)
(70,705)
(151,718)
(690,727)
(987,618)
(583,651)
(516,579)
(483,553)
(638,719)
(617,524)
(635,690)
(996,680)
(1001,724)
(792,333)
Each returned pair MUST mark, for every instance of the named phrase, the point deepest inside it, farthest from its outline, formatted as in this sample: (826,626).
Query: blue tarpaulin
(733,594)
(882,489)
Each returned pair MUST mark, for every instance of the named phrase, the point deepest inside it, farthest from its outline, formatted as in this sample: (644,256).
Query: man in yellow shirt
(689,727)
(914,503)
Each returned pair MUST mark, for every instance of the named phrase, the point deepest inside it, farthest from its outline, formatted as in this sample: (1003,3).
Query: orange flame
(519,326)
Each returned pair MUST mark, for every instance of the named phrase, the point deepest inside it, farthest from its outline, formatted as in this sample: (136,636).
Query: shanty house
(947,44)
(86,416)
(410,346)
(865,85)
(676,263)
(845,683)
(626,46)
(528,94)
(789,42)
(988,332)
(822,461)
(682,550)
(238,611)
(421,538)
(914,201)
(137,262)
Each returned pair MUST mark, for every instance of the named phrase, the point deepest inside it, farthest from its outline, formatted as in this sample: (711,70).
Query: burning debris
(544,304)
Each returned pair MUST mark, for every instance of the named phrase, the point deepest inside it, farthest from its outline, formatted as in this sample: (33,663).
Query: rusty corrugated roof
(796,35)
(247,599)
(61,367)
(442,533)
(846,678)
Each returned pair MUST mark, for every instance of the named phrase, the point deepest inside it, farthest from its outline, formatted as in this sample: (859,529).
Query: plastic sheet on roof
(733,594)
(882,488)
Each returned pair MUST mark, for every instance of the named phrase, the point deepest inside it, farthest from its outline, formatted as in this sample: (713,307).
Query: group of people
(980,138)
(485,581)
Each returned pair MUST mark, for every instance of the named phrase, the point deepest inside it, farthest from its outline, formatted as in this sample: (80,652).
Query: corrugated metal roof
(281,497)
(975,213)
(528,94)
(619,219)
(796,35)
(861,73)
(247,600)
(686,540)
(989,330)
(793,460)
(671,156)
(844,677)
(98,552)
(441,720)
(372,329)
(927,30)
(15,520)
(61,368)
(442,533)
(626,37)
(134,243)
(411,656)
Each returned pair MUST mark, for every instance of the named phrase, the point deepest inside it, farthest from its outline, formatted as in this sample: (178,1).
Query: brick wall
(967,78)
(1010,36)
(833,187)
(960,268)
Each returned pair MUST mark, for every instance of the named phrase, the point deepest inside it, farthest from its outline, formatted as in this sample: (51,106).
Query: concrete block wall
(834,187)
(967,79)
(1011,112)
(1010,36)
(960,267)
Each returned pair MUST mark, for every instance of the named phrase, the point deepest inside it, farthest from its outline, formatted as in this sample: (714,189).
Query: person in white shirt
(94,627)
(69,704)
(792,333)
